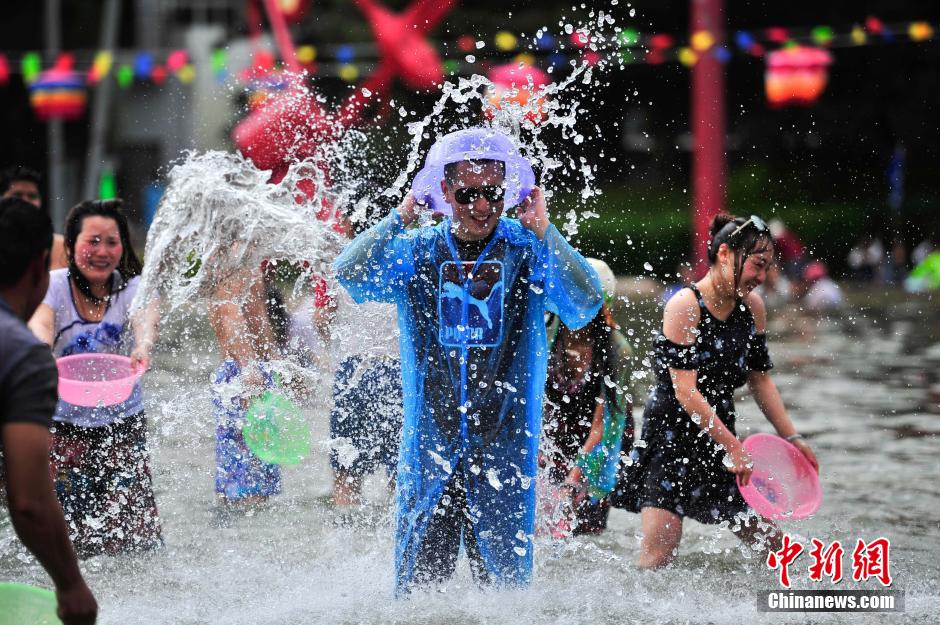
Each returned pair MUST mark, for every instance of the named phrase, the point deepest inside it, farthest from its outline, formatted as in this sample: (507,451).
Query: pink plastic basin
(95,380)
(783,484)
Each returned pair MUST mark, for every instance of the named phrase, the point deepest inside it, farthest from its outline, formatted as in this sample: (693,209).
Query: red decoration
(661,41)
(874,25)
(796,76)
(284,129)
(4,71)
(580,38)
(592,57)
(59,92)
(466,43)
(177,60)
(404,51)
(159,75)
(516,76)
(776,34)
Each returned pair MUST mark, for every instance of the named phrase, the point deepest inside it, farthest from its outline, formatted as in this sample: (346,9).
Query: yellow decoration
(702,41)
(525,58)
(687,57)
(306,54)
(102,63)
(858,35)
(348,72)
(505,41)
(919,31)
(187,74)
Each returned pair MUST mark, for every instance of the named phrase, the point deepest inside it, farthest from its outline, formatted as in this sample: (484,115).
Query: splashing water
(293,563)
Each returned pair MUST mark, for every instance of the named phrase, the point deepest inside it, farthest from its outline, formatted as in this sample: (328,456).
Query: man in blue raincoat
(471,294)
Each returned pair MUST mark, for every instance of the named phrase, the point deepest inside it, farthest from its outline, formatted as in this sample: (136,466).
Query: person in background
(818,292)
(24,183)
(28,380)
(246,320)
(368,409)
(588,410)
(100,453)
(791,253)
(866,258)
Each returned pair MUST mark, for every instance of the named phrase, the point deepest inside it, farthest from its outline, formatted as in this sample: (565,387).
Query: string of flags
(59,90)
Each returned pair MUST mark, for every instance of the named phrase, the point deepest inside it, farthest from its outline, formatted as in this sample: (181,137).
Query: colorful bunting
(632,47)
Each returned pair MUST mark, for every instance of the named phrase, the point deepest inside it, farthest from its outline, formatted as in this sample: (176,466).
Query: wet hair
(129,265)
(16,174)
(744,242)
(450,169)
(24,233)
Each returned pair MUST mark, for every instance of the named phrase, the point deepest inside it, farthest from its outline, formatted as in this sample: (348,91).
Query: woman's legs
(662,531)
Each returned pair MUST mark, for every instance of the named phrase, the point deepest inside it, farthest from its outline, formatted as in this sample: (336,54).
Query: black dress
(677,466)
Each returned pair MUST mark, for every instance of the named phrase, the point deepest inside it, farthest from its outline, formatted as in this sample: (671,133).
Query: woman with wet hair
(100,453)
(712,341)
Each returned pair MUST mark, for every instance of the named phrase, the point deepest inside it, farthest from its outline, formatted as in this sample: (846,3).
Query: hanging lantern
(293,10)
(59,92)
(511,85)
(796,76)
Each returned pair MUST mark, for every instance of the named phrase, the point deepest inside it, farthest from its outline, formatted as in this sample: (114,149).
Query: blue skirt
(239,473)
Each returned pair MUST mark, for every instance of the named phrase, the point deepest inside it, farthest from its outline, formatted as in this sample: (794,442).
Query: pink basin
(95,380)
(783,484)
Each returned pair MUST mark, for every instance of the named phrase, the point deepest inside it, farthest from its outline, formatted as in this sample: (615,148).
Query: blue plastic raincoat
(474,360)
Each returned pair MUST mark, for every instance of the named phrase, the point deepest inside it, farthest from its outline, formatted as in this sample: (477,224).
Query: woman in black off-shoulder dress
(687,458)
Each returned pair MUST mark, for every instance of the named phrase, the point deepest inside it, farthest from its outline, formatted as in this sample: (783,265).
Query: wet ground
(862,386)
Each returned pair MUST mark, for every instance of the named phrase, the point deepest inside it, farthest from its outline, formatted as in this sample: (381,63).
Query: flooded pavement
(861,386)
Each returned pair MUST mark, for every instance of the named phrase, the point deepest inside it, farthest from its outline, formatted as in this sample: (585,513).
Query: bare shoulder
(756,305)
(681,317)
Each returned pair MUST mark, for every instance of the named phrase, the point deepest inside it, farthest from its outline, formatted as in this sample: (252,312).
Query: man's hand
(533,214)
(407,209)
(77,606)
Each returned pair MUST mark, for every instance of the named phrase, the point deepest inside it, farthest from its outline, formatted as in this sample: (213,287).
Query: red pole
(282,36)
(708,129)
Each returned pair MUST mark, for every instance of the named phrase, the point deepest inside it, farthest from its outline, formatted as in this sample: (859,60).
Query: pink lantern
(58,92)
(796,76)
(516,76)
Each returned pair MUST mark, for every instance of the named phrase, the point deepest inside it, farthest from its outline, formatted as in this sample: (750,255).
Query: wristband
(794,437)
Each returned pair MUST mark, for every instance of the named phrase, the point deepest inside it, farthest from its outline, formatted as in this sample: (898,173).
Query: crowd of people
(506,365)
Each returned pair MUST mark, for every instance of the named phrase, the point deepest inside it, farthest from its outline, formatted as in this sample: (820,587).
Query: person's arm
(594,437)
(680,320)
(42,324)
(373,264)
(144,325)
(571,285)
(764,390)
(38,519)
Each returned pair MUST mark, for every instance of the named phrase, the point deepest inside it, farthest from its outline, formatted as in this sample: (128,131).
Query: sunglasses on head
(754,219)
(469,195)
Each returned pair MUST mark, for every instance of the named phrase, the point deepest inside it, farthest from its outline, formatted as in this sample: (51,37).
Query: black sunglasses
(468,195)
